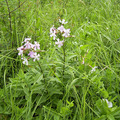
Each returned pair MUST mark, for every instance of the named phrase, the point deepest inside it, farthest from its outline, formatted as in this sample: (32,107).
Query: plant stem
(64,59)
(41,71)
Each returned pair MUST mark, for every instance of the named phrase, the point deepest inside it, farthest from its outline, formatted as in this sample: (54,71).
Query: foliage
(68,82)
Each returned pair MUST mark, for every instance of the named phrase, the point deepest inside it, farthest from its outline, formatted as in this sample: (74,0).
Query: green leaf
(71,56)
(51,111)
(103,117)
(84,47)
(116,112)
(93,79)
(110,117)
(56,117)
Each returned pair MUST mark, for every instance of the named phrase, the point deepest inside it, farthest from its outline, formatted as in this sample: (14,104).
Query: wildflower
(36,45)
(20,49)
(93,69)
(52,29)
(31,48)
(28,45)
(62,21)
(59,43)
(66,33)
(61,28)
(53,35)
(25,61)
(31,54)
(26,40)
(109,103)
(36,57)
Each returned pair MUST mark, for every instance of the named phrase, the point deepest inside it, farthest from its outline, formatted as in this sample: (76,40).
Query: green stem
(41,70)
(64,59)
(9,13)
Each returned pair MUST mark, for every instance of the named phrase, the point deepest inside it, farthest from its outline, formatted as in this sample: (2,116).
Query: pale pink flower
(52,30)
(59,43)
(53,35)
(26,40)
(28,45)
(36,57)
(66,33)
(61,28)
(62,21)
(36,45)
(31,54)
(20,49)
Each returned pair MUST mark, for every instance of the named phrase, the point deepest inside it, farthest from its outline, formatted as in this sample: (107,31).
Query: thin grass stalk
(9,13)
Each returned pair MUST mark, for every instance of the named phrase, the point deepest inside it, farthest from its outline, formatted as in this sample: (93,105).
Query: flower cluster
(59,31)
(30,48)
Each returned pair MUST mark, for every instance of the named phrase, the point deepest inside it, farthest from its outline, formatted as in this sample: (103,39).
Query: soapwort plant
(30,51)
(59,35)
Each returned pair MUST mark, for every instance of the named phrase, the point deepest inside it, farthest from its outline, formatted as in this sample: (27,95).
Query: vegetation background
(78,94)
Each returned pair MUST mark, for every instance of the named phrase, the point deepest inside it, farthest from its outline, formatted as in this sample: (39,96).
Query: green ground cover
(63,84)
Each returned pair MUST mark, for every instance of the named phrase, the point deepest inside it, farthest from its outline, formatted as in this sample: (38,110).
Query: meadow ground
(74,78)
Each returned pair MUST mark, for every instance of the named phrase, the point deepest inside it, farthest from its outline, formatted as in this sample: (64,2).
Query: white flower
(26,40)
(53,35)
(93,69)
(62,21)
(53,32)
(66,33)
(59,43)
(25,61)
(109,103)
(52,29)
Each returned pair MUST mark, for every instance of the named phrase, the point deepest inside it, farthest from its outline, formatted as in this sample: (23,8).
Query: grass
(65,89)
